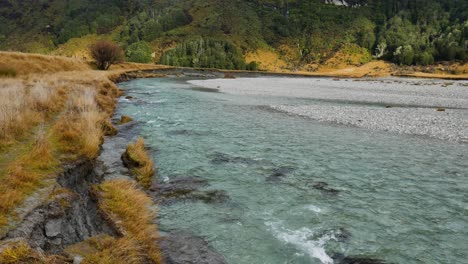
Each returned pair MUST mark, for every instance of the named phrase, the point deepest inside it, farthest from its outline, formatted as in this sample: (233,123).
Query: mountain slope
(299,32)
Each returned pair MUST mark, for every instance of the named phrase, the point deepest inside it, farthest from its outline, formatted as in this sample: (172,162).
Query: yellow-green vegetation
(131,210)
(141,163)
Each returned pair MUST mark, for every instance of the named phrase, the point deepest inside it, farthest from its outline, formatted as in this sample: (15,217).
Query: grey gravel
(399,105)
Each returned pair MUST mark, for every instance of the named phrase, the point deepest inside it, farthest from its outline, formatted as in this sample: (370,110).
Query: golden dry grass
(78,129)
(25,64)
(24,105)
(130,208)
(144,169)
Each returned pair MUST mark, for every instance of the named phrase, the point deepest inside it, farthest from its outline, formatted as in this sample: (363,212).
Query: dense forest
(218,33)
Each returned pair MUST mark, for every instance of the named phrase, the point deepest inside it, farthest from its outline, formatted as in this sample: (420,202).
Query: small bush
(7,72)
(106,53)
(253,66)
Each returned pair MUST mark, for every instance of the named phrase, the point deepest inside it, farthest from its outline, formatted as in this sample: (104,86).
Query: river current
(301,191)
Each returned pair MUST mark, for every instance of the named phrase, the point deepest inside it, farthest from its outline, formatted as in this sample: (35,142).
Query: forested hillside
(220,33)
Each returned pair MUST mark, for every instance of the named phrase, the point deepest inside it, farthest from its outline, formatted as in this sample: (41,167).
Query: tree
(139,52)
(106,53)
(404,55)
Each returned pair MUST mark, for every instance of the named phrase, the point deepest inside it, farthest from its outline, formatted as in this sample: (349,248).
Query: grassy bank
(55,111)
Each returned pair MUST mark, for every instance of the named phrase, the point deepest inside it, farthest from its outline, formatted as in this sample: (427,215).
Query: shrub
(404,55)
(139,52)
(106,53)
(253,66)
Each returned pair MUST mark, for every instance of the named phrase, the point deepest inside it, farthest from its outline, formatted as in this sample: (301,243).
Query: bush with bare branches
(106,53)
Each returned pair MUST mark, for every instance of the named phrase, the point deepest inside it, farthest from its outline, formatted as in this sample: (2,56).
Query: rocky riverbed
(434,108)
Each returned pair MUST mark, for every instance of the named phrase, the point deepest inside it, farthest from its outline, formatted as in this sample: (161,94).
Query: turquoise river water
(342,190)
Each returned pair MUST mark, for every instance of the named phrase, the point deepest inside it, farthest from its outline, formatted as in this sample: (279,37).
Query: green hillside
(219,33)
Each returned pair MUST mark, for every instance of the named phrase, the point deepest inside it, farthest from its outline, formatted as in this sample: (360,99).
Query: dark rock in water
(184,248)
(323,186)
(219,158)
(185,132)
(182,183)
(186,189)
(279,173)
(343,235)
(129,97)
(342,259)
(210,196)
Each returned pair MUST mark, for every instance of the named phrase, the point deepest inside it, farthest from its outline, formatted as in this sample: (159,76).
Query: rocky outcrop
(70,216)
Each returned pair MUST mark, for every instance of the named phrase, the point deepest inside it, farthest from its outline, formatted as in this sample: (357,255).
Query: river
(299,190)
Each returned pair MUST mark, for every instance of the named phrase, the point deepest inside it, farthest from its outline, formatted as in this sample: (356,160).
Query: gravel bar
(400,105)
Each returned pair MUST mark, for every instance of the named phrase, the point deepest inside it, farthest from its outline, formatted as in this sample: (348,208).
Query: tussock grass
(20,253)
(25,64)
(141,163)
(125,119)
(79,128)
(23,105)
(108,128)
(25,175)
(130,208)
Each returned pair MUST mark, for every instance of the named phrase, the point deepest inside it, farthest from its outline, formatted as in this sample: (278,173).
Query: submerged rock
(185,132)
(323,186)
(185,248)
(343,235)
(220,158)
(206,90)
(186,189)
(342,259)
(279,173)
